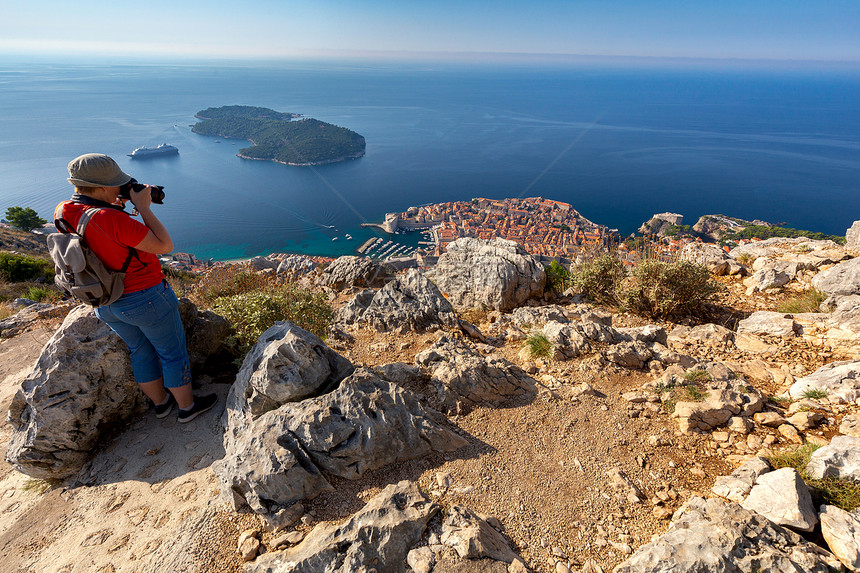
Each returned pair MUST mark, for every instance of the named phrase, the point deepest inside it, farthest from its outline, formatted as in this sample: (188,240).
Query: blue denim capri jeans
(148,321)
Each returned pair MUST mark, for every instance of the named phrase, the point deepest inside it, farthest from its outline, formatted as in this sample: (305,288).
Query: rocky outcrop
(722,401)
(779,246)
(366,423)
(660,223)
(768,324)
(842,279)
(411,302)
(852,237)
(710,256)
(352,271)
(206,334)
(464,379)
(715,535)
(472,537)
(839,459)
(841,531)
(296,265)
(567,341)
(82,390)
(736,487)
(840,381)
(377,538)
(496,274)
(288,364)
(79,390)
(28,315)
(782,497)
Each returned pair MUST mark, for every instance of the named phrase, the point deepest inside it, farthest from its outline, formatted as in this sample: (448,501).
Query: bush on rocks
(659,290)
(598,279)
(252,313)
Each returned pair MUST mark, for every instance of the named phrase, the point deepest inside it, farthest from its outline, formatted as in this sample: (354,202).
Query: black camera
(157,191)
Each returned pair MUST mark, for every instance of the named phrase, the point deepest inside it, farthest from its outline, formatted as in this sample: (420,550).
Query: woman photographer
(146,316)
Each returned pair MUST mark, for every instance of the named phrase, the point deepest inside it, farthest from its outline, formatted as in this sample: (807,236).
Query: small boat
(348,237)
(334,239)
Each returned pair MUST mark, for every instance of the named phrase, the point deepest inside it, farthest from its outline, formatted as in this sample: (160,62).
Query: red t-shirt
(110,233)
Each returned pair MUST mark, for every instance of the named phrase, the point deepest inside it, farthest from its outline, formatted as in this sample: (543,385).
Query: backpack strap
(60,222)
(82,226)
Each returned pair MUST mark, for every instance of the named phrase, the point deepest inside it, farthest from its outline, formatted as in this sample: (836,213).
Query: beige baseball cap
(96,170)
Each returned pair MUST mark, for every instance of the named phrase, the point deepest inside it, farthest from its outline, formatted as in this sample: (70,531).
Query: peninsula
(286,138)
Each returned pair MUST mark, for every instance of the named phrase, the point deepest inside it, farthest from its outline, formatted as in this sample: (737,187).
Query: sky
(720,29)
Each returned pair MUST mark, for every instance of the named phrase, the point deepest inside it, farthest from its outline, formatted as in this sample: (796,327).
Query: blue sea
(618,142)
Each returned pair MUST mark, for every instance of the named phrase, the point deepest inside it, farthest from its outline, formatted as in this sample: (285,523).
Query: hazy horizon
(768,30)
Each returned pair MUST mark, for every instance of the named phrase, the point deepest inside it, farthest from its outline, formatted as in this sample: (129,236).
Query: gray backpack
(78,270)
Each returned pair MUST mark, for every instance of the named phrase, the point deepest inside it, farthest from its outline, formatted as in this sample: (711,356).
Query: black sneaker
(162,410)
(201,404)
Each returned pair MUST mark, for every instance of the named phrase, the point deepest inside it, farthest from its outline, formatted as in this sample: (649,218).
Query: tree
(24,218)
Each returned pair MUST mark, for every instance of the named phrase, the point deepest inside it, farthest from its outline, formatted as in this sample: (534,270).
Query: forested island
(285,138)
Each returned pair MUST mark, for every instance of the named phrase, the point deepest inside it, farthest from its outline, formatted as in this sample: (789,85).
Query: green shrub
(229,280)
(598,279)
(20,268)
(815,394)
(557,277)
(539,345)
(40,293)
(659,290)
(807,301)
(252,313)
(843,494)
(695,394)
(697,375)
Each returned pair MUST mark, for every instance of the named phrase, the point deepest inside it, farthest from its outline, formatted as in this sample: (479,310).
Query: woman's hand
(142,199)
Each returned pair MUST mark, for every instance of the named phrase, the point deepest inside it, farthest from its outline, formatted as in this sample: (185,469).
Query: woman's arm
(157,240)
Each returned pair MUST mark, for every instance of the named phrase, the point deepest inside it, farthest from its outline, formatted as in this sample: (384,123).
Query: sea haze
(618,143)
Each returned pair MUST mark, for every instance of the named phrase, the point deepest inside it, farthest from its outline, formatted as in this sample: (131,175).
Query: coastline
(327,162)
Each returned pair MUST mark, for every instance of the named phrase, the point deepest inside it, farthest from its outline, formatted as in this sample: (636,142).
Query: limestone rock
(841,531)
(629,354)
(805,420)
(472,537)
(767,277)
(839,380)
(288,364)
(839,459)
(351,271)
(769,419)
(464,379)
(262,263)
(26,316)
(711,335)
(365,424)
(205,336)
(421,560)
(718,536)
(264,464)
(736,486)
(529,316)
(80,390)
(852,237)
(708,255)
(296,265)
(722,402)
(850,425)
(566,342)
(782,497)
(377,538)
(497,274)
(843,279)
(768,324)
(411,302)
